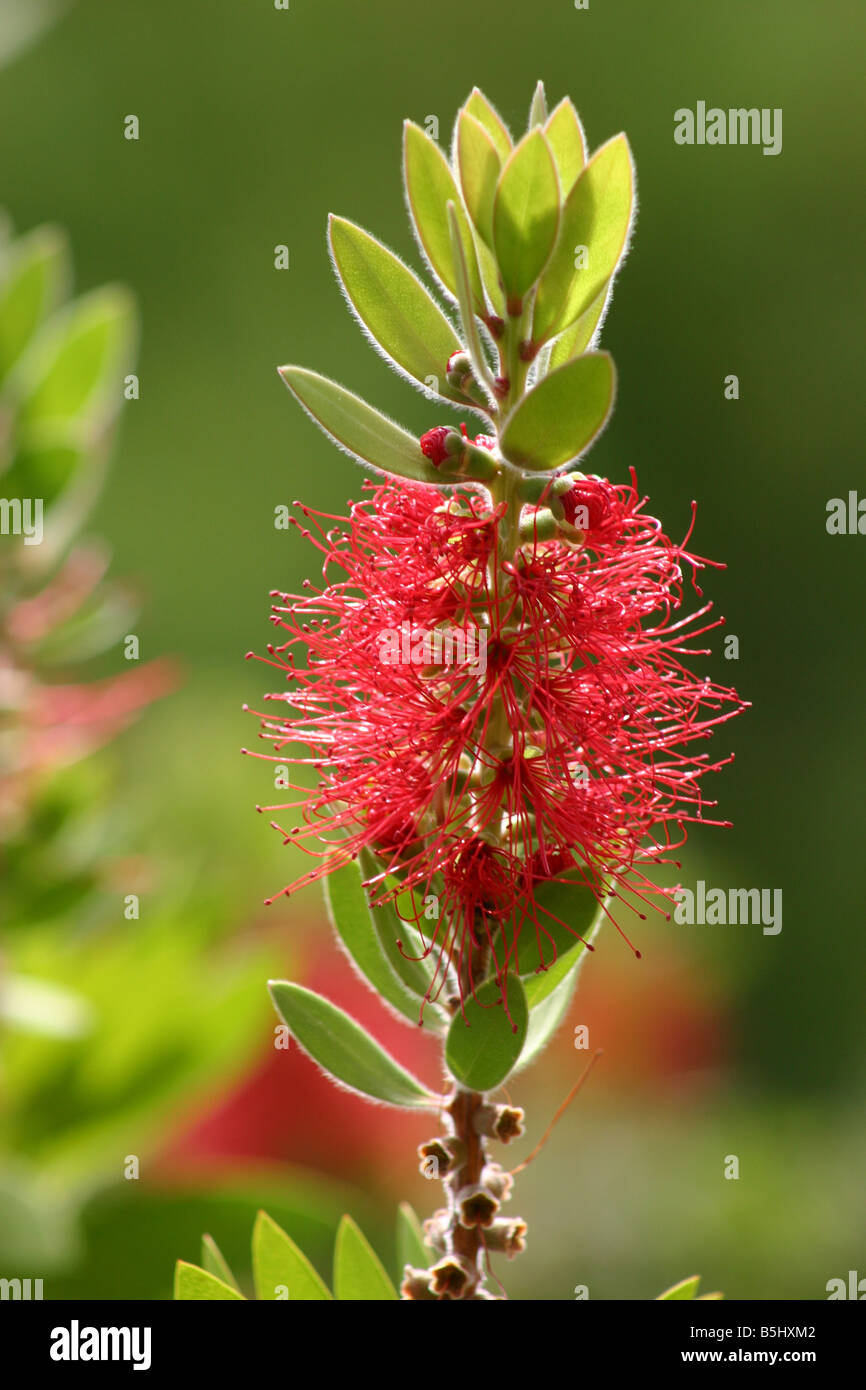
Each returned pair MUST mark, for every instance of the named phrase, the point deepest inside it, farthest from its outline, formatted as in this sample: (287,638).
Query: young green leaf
(561,416)
(412,1248)
(194,1285)
(36,280)
(525,214)
(339,1045)
(565,137)
(390,302)
(595,225)
(480,366)
(480,166)
(353,919)
(415,965)
(686,1288)
(538,106)
(75,369)
(278,1264)
(576,339)
(357,428)
(487,115)
(483,1047)
(214,1262)
(566,911)
(430,187)
(359,1275)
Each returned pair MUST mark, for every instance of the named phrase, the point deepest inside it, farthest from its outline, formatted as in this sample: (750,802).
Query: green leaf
(430,187)
(412,1248)
(214,1262)
(194,1285)
(353,919)
(356,427)
(480,366)
(526,214)
(483,1047)
(400,316)
(487,115)
(538,106)
(417,974)
(559,418)
(596,216)
(76,368)
(35,284)
(277,1262)
(480,166)
(45,463)
(566,910)
(565,137)
(337,1043)
(359,1275)
(576,339)
(686,1288)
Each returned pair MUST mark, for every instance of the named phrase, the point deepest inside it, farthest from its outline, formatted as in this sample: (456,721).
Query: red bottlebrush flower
(572,746)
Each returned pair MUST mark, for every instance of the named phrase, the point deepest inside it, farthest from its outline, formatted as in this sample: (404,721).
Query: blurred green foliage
(254,124)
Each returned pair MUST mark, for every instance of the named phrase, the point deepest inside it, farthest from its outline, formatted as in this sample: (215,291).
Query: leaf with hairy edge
(34,284)
(357,428)
(526,214)
(429,188)
(566,910)
(595,225)
(480,366)
(565,137)
(484,1045)
(403,320)
(559,418)
(359,1275)
(415,965)
(485,113)
(412,1248)
(538,106)
(576,339)
(480,166)
(278,1264)
(194,1285)
(214,1262)
(352,918)
(340,1045)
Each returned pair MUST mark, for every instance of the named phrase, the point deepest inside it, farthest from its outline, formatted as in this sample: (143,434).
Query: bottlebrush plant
(494,734)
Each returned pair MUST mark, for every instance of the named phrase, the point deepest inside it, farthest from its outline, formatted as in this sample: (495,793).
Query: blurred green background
(254,124)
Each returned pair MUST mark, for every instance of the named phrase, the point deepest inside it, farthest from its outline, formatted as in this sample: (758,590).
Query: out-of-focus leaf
(525,214)
(597,217)
(32,288)
(565,137)
(38,1006)
(359,1275)
(213,1262)
(45,463)
(339,1045)
(394,307)
(277,1262)
(195,1285)
(483,1046)
(430,187)
(559,418)
(412,1248)
(686,1288)
(356,427)
(76,368)
(480,165)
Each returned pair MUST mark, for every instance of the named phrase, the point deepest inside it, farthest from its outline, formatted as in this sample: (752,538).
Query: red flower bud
(586,505)
(433,444)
